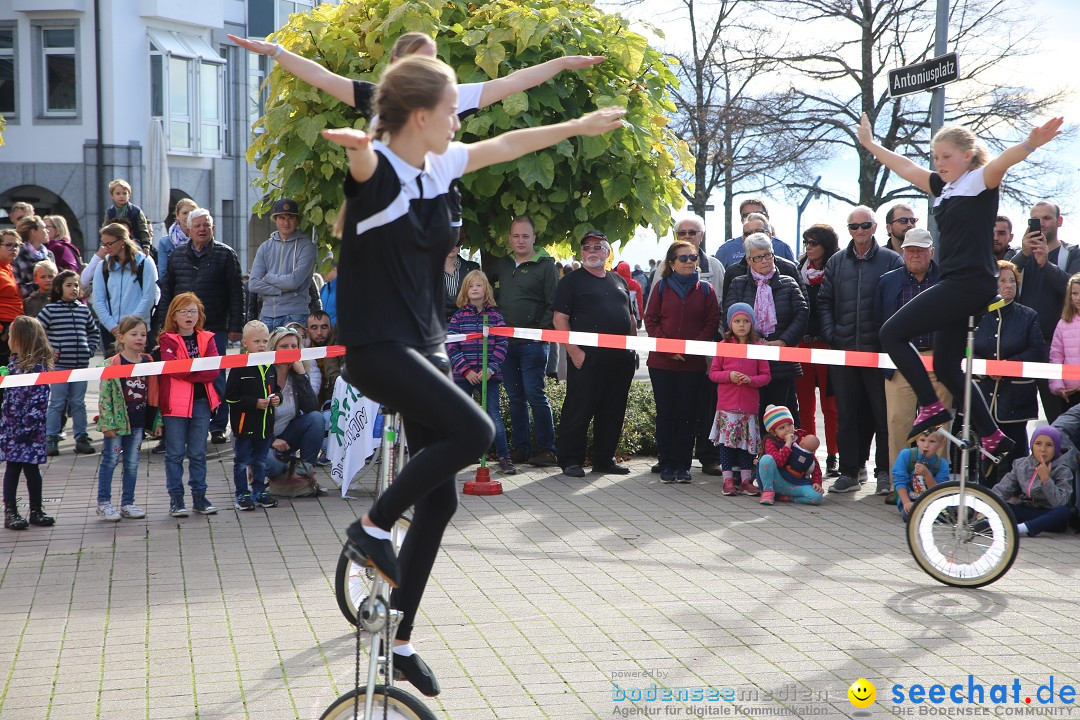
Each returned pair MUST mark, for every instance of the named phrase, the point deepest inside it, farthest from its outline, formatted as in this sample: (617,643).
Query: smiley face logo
(862,693)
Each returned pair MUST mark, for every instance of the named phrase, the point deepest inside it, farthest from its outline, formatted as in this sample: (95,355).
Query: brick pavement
(543,598)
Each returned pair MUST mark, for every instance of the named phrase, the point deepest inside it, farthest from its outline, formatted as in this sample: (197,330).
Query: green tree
(614,183)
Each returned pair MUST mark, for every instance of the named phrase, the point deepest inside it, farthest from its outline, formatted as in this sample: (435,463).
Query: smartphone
(1034,225)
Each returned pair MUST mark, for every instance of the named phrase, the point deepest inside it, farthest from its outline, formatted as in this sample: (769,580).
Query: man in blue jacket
(896,289)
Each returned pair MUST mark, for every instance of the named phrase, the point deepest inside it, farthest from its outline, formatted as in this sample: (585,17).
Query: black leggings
(11,483)
(446,431)
(943,309)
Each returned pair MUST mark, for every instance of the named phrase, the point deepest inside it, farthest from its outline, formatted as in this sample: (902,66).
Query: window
(187,92)
(59,72)
(258,69)
(266,16)
(7,70)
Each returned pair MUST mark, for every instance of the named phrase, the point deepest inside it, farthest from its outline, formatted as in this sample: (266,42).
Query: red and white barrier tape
(814,356)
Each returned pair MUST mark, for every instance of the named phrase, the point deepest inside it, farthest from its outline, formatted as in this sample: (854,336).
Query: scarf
(177,235)
(683,284)
(764,305)
(812,276)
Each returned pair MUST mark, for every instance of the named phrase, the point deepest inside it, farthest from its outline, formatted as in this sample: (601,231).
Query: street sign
(924,76)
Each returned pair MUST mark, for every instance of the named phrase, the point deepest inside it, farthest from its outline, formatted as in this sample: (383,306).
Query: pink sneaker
(729,486)
(747,487)
(768,497)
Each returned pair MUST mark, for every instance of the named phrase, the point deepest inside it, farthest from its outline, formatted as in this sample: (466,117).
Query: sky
(1053,66)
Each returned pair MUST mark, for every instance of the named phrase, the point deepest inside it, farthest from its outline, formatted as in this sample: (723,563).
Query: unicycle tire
(399,705)
(351,581)
(980,553)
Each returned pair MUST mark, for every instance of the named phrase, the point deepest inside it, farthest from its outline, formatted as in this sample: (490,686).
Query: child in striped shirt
(73,334)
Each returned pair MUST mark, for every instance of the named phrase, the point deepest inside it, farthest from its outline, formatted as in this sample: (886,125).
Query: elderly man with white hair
(845,305)
(209,269)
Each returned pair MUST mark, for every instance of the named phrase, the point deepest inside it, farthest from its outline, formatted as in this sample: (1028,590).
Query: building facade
(86,84)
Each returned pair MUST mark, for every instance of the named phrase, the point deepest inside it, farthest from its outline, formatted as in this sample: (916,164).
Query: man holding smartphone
(1046,265)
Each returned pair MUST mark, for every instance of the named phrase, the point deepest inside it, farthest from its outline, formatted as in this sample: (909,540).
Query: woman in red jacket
(11,304)
(187,401)
(683,307)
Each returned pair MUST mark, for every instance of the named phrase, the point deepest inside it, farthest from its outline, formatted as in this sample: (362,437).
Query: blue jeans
(523,376)
(277,321)
(771,479)
(117,448)
(220,420)
(502,449)
(304,432)
(73,396)
(187,437)
(250,452)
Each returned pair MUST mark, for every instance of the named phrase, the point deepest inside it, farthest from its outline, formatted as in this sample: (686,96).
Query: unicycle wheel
(351,581)
(390,702)
(971,556)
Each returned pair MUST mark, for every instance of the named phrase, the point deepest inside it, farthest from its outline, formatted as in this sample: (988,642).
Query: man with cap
(281,274)
(895,289)
(591,299)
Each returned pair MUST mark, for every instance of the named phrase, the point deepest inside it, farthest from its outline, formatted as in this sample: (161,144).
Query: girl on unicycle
(965,187)
(396,235)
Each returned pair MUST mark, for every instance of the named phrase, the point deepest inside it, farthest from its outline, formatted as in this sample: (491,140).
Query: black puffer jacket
(792,313)
(214,277)
(1011,333)
(845,303)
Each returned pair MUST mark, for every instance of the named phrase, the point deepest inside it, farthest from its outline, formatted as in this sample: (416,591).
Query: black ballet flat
(416,671)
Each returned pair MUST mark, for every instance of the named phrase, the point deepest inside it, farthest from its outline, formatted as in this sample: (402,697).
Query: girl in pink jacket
(735,429)
(1065,347)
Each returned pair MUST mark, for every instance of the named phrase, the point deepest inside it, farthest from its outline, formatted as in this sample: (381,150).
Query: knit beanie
(775,416)
(740,309)
(1051,432)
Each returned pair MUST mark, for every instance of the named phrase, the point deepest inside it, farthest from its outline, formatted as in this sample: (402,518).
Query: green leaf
(473,37)
(516,104)
(593,147)
(489,57)
(537,169)
(308,129)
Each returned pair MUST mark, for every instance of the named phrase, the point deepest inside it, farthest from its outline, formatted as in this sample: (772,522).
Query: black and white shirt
(468,103)
(397,235)
(965,211)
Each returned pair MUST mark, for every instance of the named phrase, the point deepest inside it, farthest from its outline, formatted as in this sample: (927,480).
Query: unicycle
(364,599)
(962,535)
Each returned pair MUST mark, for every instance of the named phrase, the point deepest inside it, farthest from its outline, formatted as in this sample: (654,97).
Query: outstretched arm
(309,71)
(530,77)
(994,171)
(357,144)
(917,176)
(516,143)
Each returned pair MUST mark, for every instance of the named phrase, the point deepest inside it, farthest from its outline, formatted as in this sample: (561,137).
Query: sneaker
(518,456)
(712,468)
(863,476)
(244,502)
(729,487)
(159,449)
(322,460)
(83,446)
(52,446)
(416,671)
(884,483)
(133,512)
(656,469)
(575,471)
(845,484)
(506,466)
(177,509)
(682,477)
(543,458)
(217,437)
(747,487)
(928,418)
(611,469)
(667,475)
(367,551)
(265,500)
(107,512)
(204,506)
(768,497)
(832,466)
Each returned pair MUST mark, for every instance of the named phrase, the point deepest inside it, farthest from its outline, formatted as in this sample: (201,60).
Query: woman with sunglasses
(965,187)
(395,238)
(820,242)
(11,302)
(680,306)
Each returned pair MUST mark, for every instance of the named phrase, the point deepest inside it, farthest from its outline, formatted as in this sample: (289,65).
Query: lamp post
(814,193)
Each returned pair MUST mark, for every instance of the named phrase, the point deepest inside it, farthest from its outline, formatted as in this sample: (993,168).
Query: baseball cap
(917,237)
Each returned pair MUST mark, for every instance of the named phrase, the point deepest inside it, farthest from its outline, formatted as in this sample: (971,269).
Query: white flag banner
(352,426)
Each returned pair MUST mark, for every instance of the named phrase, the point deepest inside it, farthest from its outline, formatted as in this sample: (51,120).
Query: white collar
(405,171)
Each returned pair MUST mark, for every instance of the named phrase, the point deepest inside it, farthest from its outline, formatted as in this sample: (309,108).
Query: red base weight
(483,484)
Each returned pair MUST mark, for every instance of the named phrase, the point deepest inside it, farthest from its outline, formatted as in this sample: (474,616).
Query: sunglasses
(686,258)
(811,243)
(905,220)
(864,225)
(690,233)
